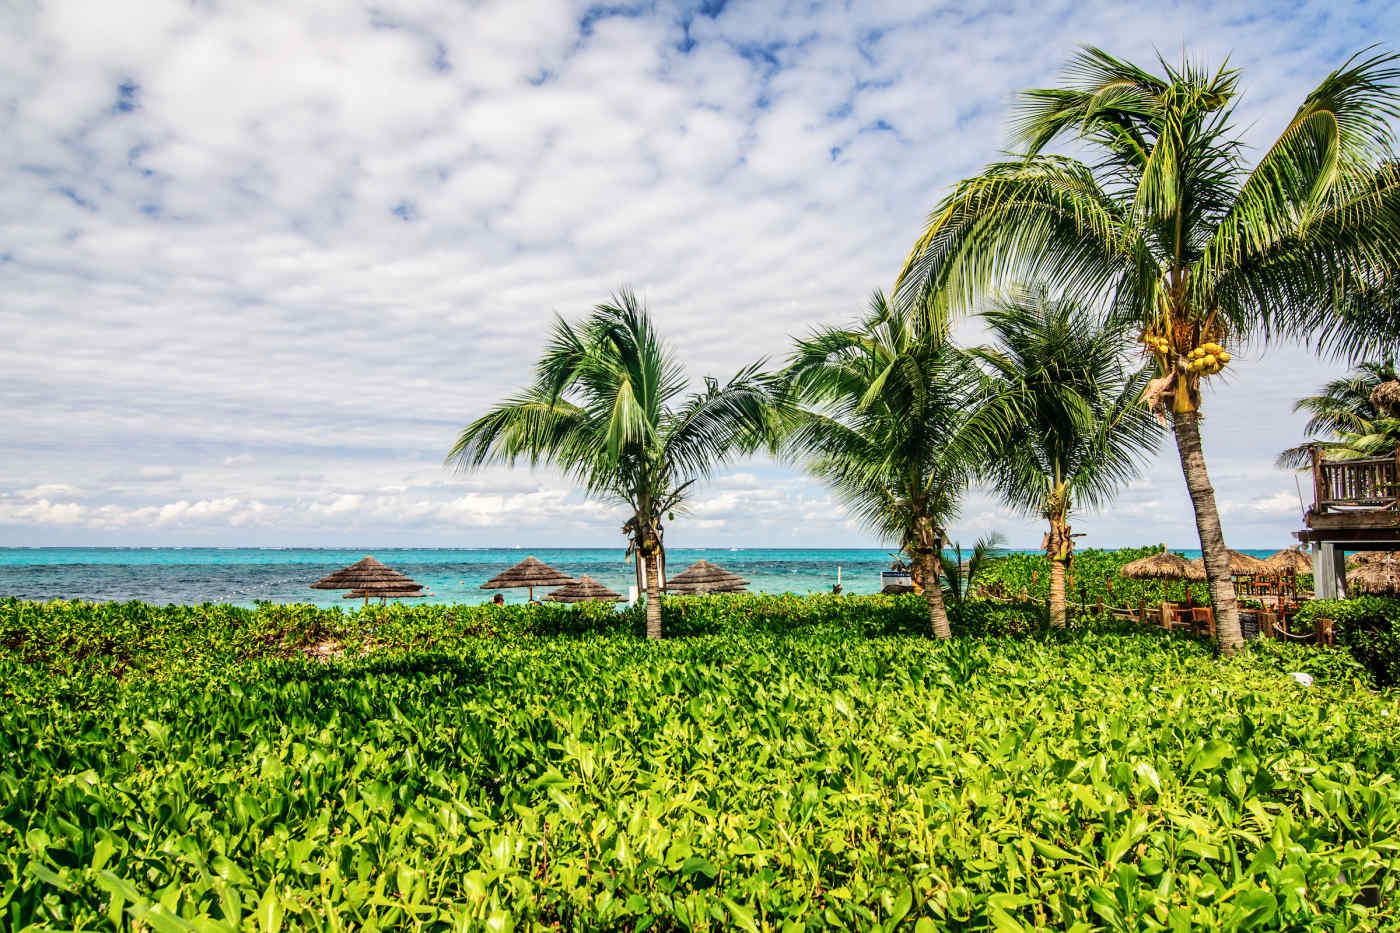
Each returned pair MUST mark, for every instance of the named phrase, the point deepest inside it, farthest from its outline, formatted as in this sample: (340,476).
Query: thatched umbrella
(585,590)
(1164,566)
(1240,562)
(528,573)
(1381,578)
(1386,397)
(705,577)
(1289,560)
(366,578)
(1372,557)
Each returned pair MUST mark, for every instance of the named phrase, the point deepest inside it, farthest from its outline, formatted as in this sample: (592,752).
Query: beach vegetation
(1165,219)
(885,414)
(1074,427)
(447,775)
(609,408)
(1357,415)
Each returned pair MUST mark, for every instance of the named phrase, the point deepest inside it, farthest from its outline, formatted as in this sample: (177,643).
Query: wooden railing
(1369,483)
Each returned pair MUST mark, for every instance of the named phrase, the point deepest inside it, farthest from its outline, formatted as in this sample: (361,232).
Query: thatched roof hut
(585,590)
(705,577)
(1240,562)
(366,572)
(1380,578)
(529,573)
(1289,560)
(367,578)
(1386,397)
(1372,557)
(1163,566)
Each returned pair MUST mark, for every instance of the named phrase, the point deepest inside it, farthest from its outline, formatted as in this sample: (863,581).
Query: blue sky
(260,261)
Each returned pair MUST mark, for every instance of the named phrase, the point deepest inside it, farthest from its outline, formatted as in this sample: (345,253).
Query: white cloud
(285,251)
(1280,503)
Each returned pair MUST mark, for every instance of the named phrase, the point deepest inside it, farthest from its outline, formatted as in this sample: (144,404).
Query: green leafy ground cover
(467,774)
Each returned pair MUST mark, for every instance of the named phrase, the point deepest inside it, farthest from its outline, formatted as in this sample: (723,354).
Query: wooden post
(1100,605)
(1142,611)
(1318,487)
(1167,616)
(1397,476)
(1323,632)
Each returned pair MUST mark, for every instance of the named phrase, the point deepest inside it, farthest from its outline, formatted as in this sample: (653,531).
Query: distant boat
(896,578)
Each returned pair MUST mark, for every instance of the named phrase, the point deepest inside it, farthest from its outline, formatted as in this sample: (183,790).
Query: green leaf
(742,916)
(269,911)
(1256,907)
(102,850)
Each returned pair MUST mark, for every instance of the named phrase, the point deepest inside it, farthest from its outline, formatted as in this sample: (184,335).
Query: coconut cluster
(1208,359)
(1157,344)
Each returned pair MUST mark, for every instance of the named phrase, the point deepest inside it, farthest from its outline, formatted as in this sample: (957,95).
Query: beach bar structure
(1356,508)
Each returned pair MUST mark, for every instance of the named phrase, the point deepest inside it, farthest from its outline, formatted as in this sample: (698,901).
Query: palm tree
(1349,417)
(959,582)
(1169,224)
(607,407)
(883,417)
(1076,426)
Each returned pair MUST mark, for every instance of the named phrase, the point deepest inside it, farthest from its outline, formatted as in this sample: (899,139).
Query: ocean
(244,576)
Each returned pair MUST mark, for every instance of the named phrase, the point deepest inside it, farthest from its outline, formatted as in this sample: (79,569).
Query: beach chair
(1177,617)
(1203,621)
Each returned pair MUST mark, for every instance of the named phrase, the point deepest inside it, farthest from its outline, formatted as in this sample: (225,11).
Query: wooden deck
(1356,507)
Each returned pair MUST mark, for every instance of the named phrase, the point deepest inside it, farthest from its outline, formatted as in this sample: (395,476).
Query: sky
(260,262)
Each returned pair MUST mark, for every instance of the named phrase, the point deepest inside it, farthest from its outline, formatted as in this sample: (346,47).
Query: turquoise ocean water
(247,575)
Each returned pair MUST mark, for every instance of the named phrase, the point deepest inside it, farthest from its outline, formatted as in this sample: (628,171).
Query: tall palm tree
(1075,427)
(882,416)
(1169,223)
(607,407)
(1345,419)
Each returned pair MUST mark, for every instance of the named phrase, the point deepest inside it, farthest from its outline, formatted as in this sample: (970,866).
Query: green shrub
(789,763)
(1368,627)
(1327,665)
(809,777)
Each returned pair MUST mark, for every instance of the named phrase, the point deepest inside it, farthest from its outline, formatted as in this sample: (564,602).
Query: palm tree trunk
(1057,592)
(1058,544)
(933,597)
(653,575)
(1186,426)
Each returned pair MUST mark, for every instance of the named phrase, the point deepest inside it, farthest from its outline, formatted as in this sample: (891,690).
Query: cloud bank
(260,261)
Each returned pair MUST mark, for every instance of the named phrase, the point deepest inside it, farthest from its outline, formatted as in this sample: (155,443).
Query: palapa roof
(1240,562)
(705,577)
(1372,557)
(584,590)
(1289,560)
(1381,578)
(363,573)
(529,572)
(1163,566)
